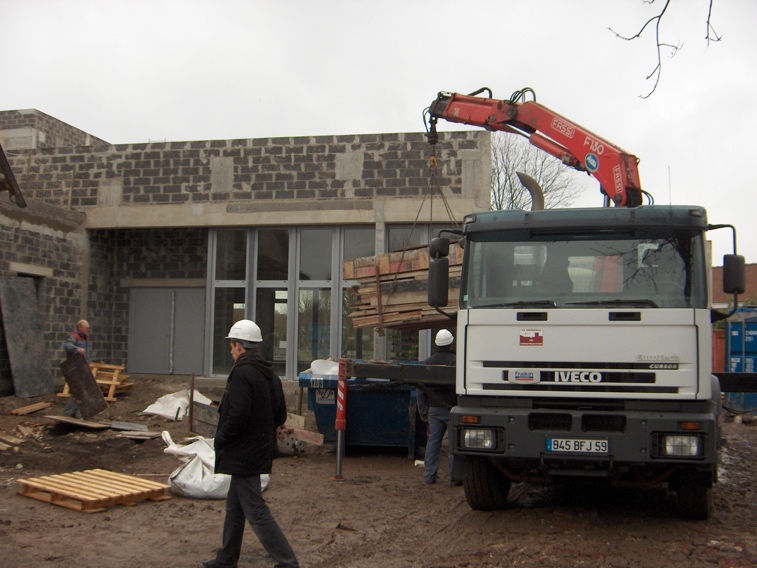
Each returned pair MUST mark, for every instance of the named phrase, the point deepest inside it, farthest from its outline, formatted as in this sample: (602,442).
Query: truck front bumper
(586,442)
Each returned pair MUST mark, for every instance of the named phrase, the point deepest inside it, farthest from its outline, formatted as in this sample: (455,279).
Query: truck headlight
(681,445)
(479,439)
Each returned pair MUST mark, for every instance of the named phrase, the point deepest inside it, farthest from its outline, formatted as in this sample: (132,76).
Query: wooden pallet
(109,378)
(93,490)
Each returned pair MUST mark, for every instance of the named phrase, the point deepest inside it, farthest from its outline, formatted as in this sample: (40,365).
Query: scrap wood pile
(392,289)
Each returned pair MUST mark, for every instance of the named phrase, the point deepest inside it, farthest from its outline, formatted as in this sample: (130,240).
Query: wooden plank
(125,425)
(22,323)
(83,386)
(78,422)
(204,419)
(102,365)
(308,436)
(8,439)
(31,408)
(135,435)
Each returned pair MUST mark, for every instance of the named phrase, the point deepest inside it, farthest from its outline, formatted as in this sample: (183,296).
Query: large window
(273,254)
(229,292)
(357,342)
(315,254)
(271,311)
(231,255)
(229,307)
(289,281)
(314,326)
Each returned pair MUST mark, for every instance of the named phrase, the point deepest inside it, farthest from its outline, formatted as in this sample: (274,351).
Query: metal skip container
(377,414)
(741,357)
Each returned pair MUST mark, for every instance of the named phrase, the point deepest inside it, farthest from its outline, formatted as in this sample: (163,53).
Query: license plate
(577,445)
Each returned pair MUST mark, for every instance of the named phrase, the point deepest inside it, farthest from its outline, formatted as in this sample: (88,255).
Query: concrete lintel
(162,283)
(292,212)
(406,210)
(301,205)
(34,270)
(39,213)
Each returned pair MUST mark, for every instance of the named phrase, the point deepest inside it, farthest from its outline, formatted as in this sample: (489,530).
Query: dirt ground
(380,515)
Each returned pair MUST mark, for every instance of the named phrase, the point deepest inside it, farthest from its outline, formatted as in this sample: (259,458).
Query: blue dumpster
(377,415)
(741,357)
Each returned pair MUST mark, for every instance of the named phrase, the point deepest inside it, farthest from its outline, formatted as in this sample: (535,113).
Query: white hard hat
(245,330)
(443,338)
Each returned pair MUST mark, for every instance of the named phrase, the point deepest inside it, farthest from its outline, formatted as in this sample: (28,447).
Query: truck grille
(550,421)
(603,423)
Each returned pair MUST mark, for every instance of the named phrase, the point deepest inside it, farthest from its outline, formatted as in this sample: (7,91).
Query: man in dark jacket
(78,341)
(251,409)
(434,404)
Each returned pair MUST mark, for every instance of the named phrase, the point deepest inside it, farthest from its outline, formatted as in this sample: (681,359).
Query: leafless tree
(512,154)
(710,36)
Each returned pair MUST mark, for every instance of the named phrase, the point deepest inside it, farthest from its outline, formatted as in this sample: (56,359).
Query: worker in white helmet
(434,404)
(251,410)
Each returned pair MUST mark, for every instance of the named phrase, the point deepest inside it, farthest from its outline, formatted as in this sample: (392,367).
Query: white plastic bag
(196,477)
(325,367)
(175,406)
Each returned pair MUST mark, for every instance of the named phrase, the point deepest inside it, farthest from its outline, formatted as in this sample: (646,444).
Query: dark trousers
(245,502)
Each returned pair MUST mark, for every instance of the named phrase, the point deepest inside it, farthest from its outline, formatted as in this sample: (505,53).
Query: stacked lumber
(392,289)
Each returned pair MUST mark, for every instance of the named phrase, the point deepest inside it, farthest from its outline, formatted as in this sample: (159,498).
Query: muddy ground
(380,515)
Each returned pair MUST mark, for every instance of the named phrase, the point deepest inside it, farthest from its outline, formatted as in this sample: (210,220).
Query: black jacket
(251,410)
(440,395)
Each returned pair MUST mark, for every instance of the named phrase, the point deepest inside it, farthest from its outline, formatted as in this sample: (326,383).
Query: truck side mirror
(438,247)
(438,282)
(734,274)
(438,272)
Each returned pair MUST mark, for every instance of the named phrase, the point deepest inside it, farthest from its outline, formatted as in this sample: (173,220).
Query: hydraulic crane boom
(575,146)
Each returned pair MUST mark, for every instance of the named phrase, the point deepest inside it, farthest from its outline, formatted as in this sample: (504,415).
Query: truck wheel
(486,489)
(694,499)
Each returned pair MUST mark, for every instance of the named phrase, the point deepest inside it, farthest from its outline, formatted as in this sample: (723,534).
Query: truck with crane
(583,335)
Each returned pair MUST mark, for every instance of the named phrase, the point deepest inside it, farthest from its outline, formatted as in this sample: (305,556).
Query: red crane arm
(575,146)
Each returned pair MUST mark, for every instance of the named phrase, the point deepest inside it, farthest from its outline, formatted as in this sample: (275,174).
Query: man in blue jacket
(251,409)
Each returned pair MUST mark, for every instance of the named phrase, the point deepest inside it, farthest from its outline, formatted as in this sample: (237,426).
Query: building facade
(161,246)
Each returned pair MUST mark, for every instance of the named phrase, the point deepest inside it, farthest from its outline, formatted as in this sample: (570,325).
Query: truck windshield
(647,269)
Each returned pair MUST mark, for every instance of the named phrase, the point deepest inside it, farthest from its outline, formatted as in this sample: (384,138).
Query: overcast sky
(139,70)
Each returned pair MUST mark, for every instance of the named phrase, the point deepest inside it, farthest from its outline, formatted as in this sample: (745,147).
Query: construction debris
(78,422)
(8,439)
(138,435)
(31,408)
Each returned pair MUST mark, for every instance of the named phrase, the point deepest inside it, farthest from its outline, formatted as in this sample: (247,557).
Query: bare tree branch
(714,36)
(711,36)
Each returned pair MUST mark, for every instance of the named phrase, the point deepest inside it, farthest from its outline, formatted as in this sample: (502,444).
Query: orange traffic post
(340,424)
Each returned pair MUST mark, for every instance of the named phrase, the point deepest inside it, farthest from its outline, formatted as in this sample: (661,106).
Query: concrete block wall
(90,277)
(32,129)
(29,250)
(355,167)
(124,258)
